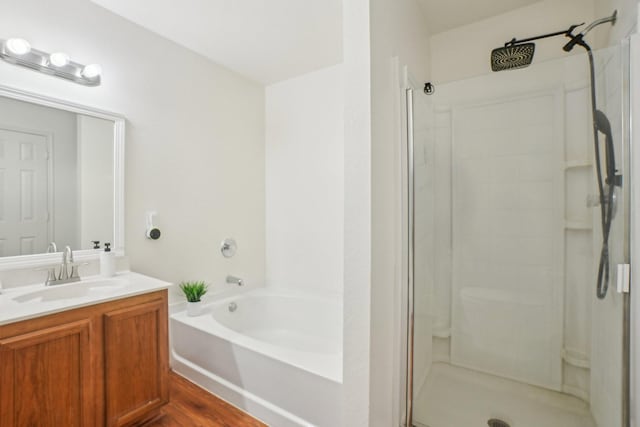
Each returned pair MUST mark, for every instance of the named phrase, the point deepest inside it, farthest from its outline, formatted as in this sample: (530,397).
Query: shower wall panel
(442,233)
(508,247)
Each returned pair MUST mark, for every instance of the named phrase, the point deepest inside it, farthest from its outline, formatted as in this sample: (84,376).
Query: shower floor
(456,397)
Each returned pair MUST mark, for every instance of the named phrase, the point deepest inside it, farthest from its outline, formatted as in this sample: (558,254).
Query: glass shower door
(423,235)
(506,236)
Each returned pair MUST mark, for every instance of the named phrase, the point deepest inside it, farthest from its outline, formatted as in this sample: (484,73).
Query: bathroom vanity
(93,352)
(101,359)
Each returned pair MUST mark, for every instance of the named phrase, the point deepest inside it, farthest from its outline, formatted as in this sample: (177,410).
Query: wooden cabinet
(47,378)
(135,362)
(103,365)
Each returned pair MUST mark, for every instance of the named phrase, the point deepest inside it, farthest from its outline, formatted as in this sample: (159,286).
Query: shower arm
(579,39)
(567,33)
(611,19)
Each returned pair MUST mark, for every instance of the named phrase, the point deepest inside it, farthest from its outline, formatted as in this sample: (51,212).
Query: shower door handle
(623,278)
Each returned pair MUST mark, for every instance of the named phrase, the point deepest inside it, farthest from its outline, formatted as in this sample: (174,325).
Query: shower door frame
(410,87)
(631,408)
(630,319)
(408,98)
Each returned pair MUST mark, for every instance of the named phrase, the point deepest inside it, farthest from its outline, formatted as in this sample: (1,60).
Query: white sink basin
(30,301)
(72,291)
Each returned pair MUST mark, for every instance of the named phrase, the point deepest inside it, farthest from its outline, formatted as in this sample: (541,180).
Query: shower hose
(606,188)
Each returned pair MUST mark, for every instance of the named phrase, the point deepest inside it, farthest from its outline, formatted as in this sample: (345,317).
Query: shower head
(578,39)
(602,123)
(512,56)
(519,53)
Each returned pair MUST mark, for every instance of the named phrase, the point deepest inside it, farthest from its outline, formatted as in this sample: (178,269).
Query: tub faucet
(236,280)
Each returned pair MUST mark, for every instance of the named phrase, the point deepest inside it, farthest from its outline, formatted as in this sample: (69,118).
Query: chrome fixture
(19,52)
(228,247)
(51,272)
(411,231)
(429,88)
(233,307)
(64,276)
(578,39)
(235,280)
(67,257)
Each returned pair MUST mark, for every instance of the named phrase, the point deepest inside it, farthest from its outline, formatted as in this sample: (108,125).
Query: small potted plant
(194,292)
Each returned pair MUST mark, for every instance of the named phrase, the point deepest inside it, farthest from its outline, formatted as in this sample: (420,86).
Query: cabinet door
(136,362)
(46,377)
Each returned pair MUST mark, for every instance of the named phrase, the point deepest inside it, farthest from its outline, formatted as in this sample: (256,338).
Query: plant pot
(194,308)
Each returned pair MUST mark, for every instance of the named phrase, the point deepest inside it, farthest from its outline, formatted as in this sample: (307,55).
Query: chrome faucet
(235,280)
(64,276)
(67,258)
(51,272)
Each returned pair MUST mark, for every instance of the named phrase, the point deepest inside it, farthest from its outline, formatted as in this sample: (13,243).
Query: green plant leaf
(194,290)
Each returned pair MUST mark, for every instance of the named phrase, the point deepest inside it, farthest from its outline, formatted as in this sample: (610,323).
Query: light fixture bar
(41,61)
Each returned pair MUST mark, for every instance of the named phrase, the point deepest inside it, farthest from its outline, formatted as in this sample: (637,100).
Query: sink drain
(494,422)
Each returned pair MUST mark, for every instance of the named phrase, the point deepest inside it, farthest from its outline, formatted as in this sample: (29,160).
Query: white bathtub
(278,356)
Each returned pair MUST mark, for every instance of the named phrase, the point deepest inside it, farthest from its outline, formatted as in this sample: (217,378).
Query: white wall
(465,52)
(398,30)
(61,126)
(195,136)
(357,211)
(305,182)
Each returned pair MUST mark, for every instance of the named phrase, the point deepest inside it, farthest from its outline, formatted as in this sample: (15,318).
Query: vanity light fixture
(18,46)
(59,59)
(19,52)
(92,71)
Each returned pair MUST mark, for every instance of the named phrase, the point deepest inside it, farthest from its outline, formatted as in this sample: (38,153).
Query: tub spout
(235,280)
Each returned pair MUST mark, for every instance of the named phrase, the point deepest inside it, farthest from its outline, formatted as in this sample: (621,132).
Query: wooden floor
(192,406)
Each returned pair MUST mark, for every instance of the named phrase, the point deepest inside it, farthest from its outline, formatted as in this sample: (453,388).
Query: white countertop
(28,302)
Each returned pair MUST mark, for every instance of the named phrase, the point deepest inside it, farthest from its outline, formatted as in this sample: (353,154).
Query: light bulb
(59,59)
(18,46)
(92,71)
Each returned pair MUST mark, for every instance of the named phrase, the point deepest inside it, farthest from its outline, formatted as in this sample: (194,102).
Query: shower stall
(507,320)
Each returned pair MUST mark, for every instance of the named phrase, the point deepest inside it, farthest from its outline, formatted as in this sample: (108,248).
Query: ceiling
(274,40)
(443,15)
(265,40)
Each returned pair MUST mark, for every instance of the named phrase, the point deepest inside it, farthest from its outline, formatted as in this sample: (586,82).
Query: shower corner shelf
(573,164)
(578,225)
(441,331)
(576,358)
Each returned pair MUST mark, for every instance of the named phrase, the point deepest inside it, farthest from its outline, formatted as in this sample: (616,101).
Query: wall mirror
(61,178)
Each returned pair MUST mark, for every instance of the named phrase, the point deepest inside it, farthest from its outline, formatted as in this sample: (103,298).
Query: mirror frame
(30,261)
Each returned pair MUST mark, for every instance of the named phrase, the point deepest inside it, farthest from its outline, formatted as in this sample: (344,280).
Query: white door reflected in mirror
(25,199)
